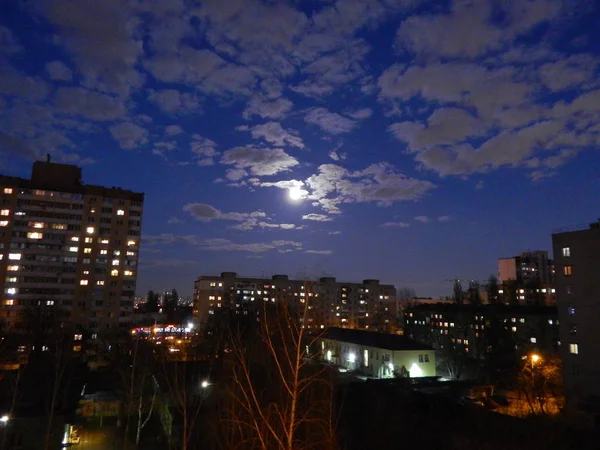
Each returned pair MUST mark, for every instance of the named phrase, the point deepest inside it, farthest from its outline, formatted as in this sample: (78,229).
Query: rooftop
(373,339)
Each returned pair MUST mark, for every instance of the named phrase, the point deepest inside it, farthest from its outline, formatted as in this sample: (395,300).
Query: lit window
(77,348)
(3,223)
(115,262)
(11,279)
(120,212)
(103,252)
(77,337)
(514,329)
(571,310)
(11,291)
(533,340)
(500,291)
(117,252)
(90,230)
(213,284)
(88,240)
(75,239)
(34,235)
(100,283)
(130,253)
(114,273)
(131,243)
(83,282)
(74,249)
(9,302)
(128,273)
(550,321)
(5,212)
(566,252)
(574,349)
(568,271)
(104,241)
(8,190)
(86,272)
(14,256)
(87,250)
(12,268)
(39,225)
(521,291)
(522,320)
(50,303)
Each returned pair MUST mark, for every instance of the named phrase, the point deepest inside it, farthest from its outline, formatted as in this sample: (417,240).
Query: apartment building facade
(577,256)
(527,279)
(68,248)
(472,329)
(330,303)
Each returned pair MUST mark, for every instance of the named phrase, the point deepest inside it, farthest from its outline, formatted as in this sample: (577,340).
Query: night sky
(425,139)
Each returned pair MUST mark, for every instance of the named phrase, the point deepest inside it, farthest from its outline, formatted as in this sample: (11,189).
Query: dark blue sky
(425,139)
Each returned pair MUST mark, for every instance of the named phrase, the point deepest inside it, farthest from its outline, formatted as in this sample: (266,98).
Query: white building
(378,355)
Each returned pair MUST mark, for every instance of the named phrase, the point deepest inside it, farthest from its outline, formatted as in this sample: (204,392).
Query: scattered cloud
(267,109)
(173,101)
(173,130)
(319,252)
(259,161)
(174,221)
(89,104)
(168,238)
(422,219)
(329,122)
(444,219)
(58,71)
(317,217)
(395,225)
(129,135)
(220,244)
(274,133)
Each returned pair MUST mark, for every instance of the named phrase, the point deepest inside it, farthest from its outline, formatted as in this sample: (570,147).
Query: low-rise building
(378,355)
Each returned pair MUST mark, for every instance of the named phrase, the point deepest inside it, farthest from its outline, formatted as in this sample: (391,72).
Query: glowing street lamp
(4,419)
(535,358)
(204,384)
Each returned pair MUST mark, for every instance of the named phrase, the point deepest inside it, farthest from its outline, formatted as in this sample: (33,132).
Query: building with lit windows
(527,278)
(577,257)
(377,355)
(366,305)
(473,329)
(68,247)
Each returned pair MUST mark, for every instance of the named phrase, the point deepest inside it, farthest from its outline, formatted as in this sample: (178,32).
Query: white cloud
(129,135)
(319,252)
(259,161)
(267,108)
(102,38)
(172,130)
(361,114)
(174,101)
(203,149)
(422,219)
(89,104)
(317,217)
(329,122)
(58,71)
(395,225)
(444,219)
(337,156)
(275,134)
(220,244)
(378,183)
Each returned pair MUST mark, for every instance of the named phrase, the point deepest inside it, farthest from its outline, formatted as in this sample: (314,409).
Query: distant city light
(204,384)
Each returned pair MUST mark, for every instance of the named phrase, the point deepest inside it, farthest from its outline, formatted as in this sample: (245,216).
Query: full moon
(295,193)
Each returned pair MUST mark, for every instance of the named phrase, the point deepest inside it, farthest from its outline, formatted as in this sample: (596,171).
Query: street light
(204,384)
(535,358)
(4,418)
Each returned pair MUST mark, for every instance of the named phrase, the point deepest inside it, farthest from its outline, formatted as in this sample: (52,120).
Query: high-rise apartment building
(577,257)
(526,268)
(68,247)
(366,305)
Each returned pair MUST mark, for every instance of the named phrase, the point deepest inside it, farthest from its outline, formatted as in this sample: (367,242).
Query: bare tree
(457,292)
(281,398)
(540,383)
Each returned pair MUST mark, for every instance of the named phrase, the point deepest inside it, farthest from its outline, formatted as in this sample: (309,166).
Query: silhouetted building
(468,328)
(577,255)
(68,248)
(330,303)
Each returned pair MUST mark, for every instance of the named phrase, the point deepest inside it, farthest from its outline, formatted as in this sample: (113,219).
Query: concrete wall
(379,362)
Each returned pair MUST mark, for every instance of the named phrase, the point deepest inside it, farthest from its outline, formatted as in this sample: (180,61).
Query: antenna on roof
(47,157)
